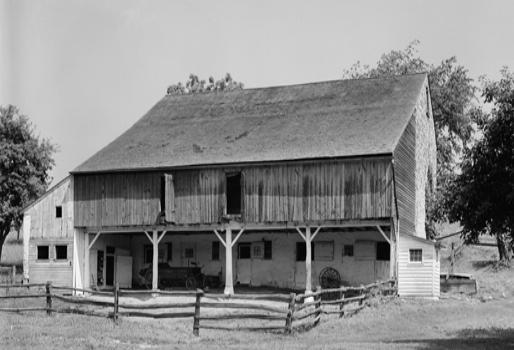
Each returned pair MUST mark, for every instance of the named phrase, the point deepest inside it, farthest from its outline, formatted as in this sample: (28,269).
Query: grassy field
(400,324)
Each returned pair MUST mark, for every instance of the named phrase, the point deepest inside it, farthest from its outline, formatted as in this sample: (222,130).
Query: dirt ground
(458,323)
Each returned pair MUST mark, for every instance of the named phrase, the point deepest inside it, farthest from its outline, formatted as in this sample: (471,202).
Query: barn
(287,187)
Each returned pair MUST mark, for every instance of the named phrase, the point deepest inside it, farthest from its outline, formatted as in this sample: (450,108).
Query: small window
(58,211)
(189,253)
(61,252)
(348,250)
(234,193)
(267,250)
(110,249)
(415,255)
(301,251)
(215,252)
(169,251)
(43,252)
(383,251)
(244,251)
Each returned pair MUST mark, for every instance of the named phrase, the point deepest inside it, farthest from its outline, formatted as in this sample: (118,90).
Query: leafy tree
(194,85)
(25,160)
(452,94)
(482,195)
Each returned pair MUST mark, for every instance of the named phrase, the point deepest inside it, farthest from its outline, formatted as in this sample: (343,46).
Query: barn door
(169,198)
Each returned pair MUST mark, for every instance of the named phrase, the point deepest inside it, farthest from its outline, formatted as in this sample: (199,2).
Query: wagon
(169,276)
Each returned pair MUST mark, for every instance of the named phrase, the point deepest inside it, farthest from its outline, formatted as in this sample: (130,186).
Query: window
(415,255)
(58,211)
(383,251)
(43,252)
(61,252)
(189,253)
(268,250)
(148,254)
(258,250)
(169,251)
(215,252)
(244,251)
(324,251)
(348,250)
(301,251)
(234,193)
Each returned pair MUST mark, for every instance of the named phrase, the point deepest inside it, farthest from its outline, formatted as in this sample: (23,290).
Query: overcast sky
(85,71)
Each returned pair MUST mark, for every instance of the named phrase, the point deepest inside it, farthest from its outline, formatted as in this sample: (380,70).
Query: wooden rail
(293,310)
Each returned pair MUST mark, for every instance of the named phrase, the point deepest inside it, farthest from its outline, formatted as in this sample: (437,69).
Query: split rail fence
(279,312)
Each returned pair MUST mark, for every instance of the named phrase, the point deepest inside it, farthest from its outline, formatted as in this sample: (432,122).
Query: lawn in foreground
(400,324)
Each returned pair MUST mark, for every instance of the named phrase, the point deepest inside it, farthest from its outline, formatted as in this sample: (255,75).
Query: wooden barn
(289,187)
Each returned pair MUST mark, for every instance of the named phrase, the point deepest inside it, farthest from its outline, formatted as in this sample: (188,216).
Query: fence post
(317,306)
(116,302)
(48,288)
(341,304)
(196,320)
(290,312)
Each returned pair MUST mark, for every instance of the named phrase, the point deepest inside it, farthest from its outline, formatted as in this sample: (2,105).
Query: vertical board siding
(405,168)
(322,191)
(318,192)
(43,220)
(117,199)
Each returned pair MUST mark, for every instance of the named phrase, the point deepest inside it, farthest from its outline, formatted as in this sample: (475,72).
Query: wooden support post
(290,312)
(196,320)
(155,262)
(48,288)
(308,261)
(229,282)
(86,261)
(341,304)
(317,315)
(116,302)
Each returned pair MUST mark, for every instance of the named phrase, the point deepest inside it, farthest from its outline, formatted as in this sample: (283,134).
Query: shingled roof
(339,118)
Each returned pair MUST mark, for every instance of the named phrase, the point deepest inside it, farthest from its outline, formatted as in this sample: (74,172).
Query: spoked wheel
(329,278)
(190,283)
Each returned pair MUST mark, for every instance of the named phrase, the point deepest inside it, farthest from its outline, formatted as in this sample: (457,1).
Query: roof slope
(328,119)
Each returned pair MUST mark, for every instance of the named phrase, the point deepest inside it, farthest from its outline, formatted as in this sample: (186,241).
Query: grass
(399,324)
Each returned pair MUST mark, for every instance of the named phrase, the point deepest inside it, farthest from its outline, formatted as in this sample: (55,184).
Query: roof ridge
(388,77)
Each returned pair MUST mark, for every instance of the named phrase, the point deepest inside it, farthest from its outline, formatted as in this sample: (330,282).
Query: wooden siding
(318,192)
(405,168)
(418,279)
(321,191)
(43,220)
(117,199)
(57,271)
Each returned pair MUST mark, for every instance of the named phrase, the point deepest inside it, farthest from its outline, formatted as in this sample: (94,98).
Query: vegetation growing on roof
(195,85)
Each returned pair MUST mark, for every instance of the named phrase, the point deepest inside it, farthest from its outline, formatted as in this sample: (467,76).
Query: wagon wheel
(190,283)
(329,278)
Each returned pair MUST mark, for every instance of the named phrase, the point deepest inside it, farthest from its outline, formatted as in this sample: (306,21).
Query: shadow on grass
(491,338)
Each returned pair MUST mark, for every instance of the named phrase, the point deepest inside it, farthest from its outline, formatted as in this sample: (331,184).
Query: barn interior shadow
(489,338)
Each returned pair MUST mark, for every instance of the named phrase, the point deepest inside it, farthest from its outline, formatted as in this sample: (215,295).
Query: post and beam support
(87,278)
(155,239)
(308,238)
(228,243)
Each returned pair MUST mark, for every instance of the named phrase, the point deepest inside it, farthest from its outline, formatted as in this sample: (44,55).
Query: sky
(85,71)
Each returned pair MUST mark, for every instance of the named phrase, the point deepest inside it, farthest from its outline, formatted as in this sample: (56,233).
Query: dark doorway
(109,267)
(234,193)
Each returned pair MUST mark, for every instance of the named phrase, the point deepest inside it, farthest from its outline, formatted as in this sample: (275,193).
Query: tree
(25,160)
(482,195)
(452,94)
(194,85)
